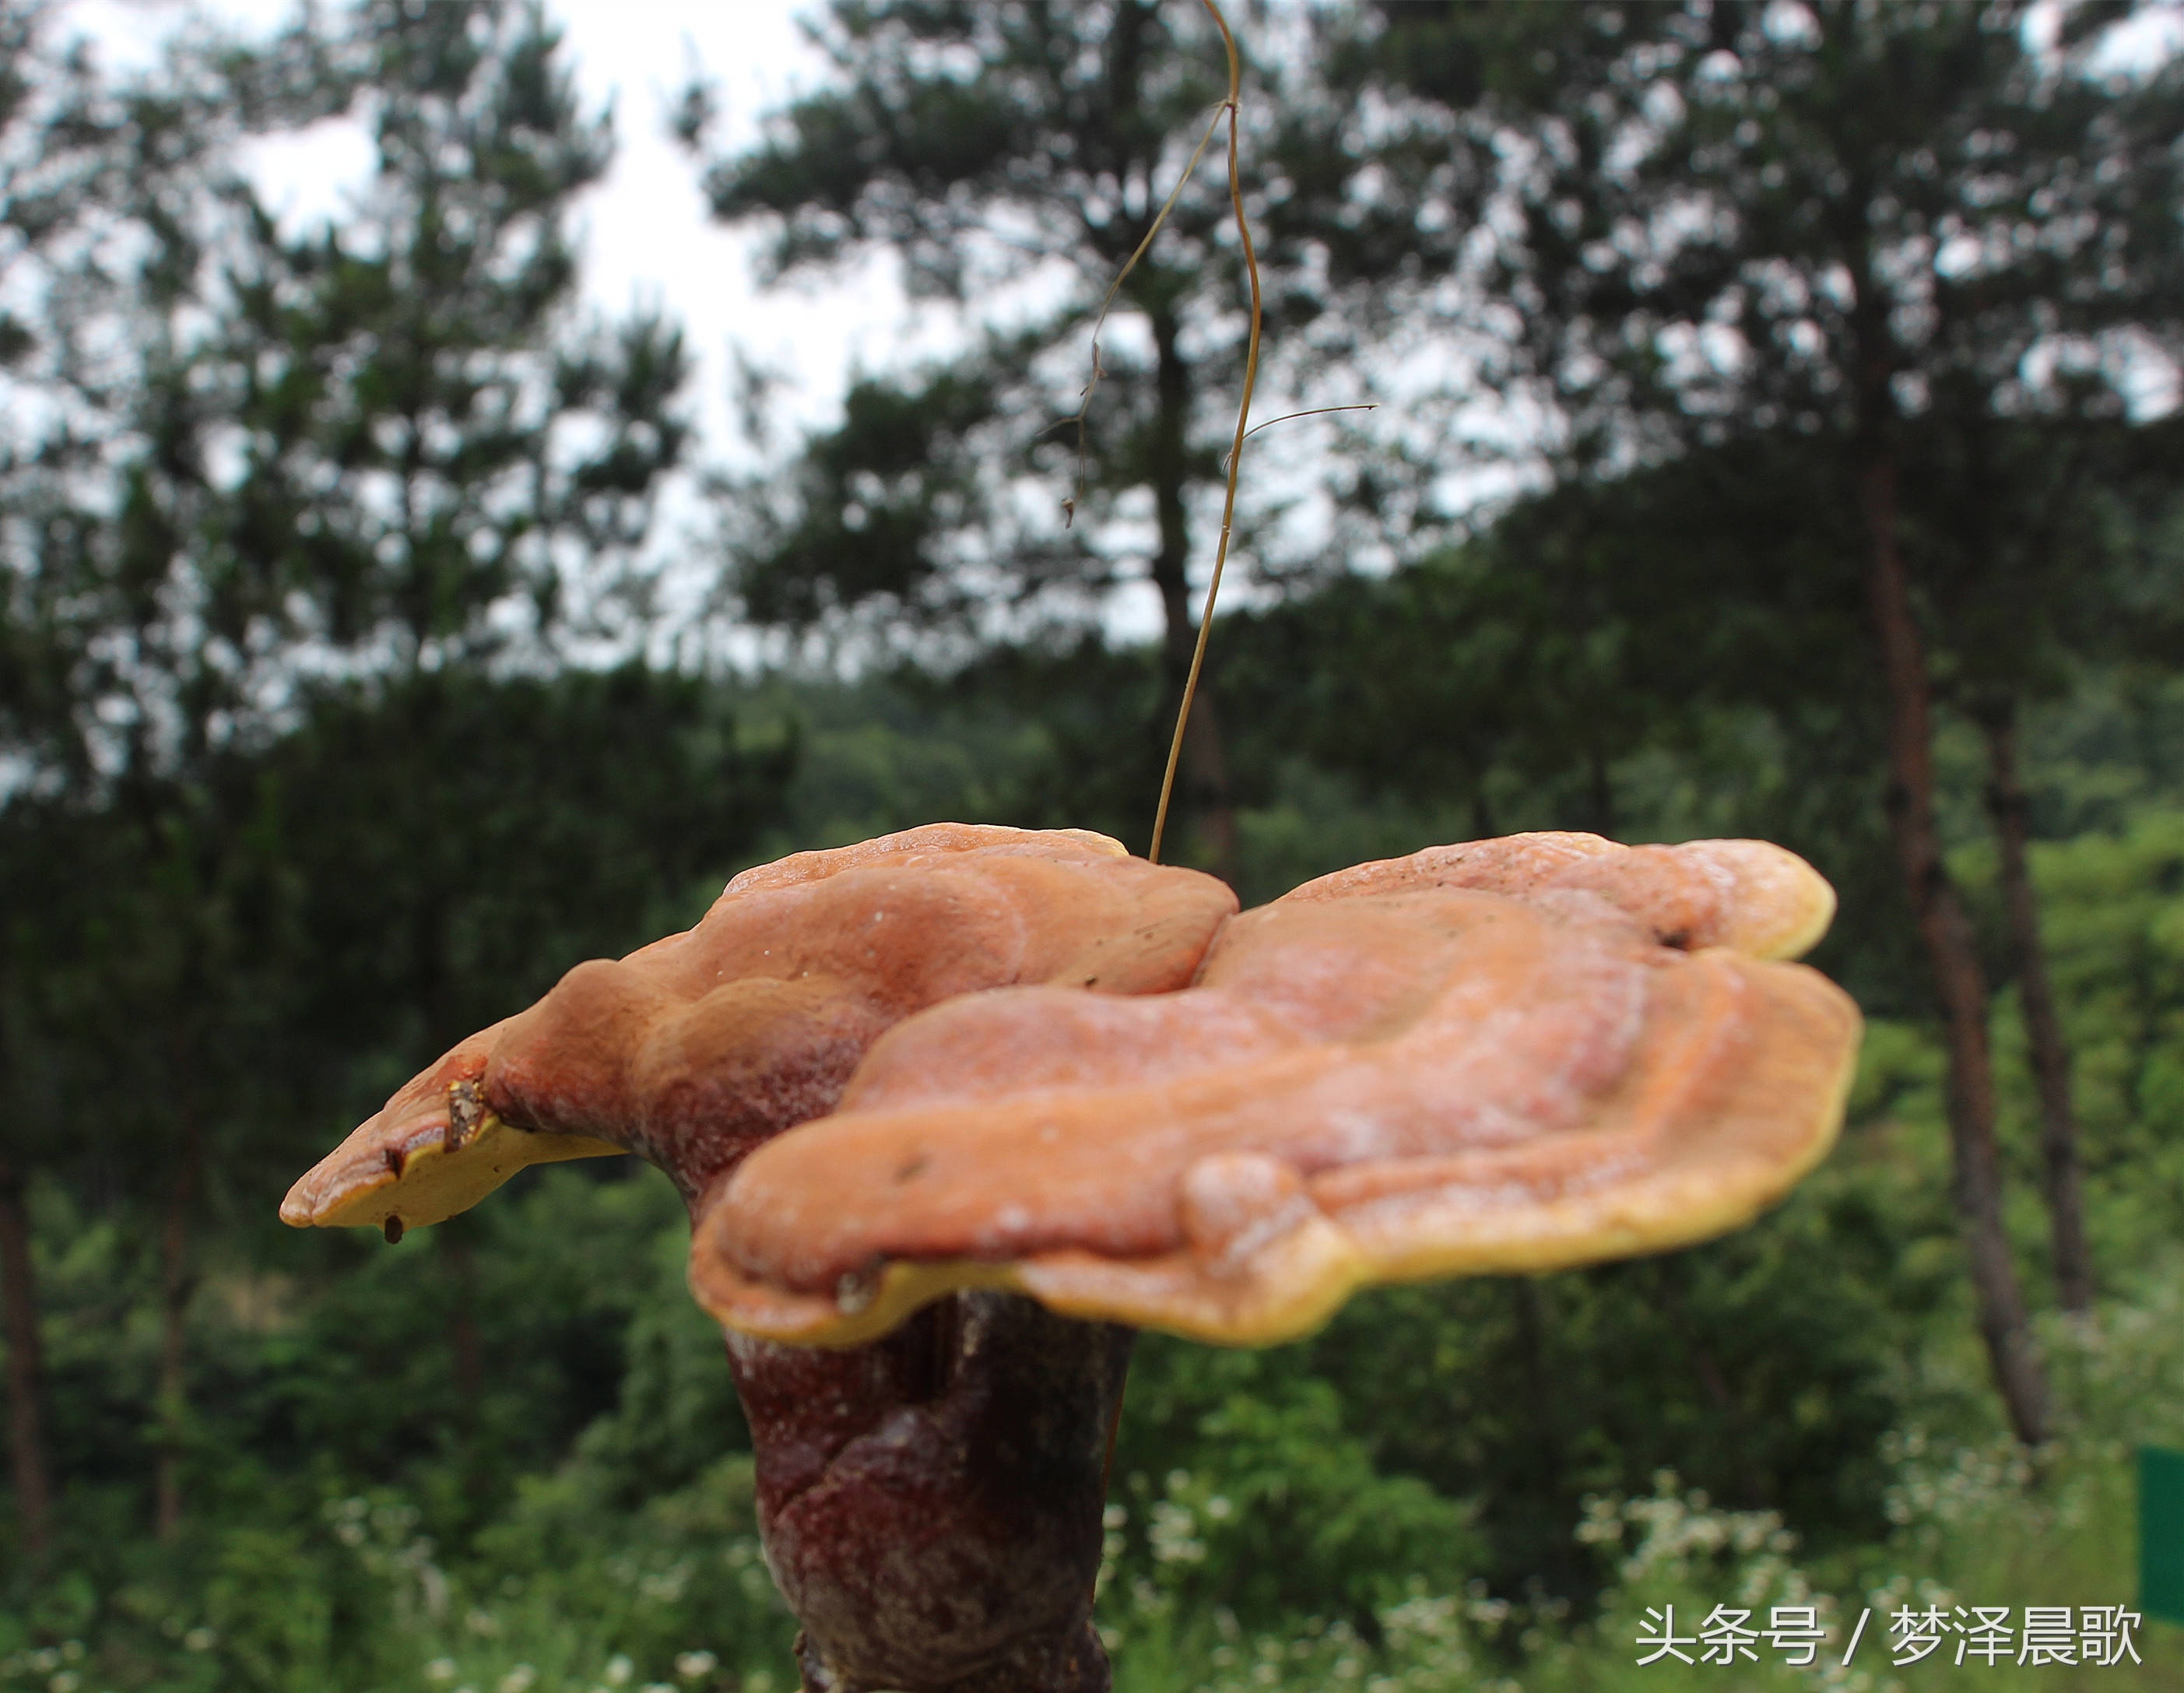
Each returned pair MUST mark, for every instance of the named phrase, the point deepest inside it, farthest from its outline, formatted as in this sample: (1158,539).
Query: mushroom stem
(930,1504)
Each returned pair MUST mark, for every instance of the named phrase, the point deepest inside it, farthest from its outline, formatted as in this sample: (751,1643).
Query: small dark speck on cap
(394,1229)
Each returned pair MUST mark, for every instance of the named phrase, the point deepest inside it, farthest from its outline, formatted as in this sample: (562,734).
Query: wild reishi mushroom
(1504,1055)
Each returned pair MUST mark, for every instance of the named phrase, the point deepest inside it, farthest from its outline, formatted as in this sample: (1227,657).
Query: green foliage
(1282,1464)
(1291,1496)
(864,529)
(455,842)
(985,148)
(1967,1523)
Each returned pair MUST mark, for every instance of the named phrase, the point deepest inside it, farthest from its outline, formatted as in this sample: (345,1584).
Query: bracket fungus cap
(1505,1055)
(694,1049)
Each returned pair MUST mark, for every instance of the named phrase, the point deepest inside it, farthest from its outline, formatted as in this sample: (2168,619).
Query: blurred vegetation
(325,738)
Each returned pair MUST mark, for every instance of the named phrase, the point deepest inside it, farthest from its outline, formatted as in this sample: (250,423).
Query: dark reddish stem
(930,1504)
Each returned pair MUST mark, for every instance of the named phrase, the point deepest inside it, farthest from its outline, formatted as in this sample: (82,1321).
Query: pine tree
(1850,224)
(1025,147)
(337,470)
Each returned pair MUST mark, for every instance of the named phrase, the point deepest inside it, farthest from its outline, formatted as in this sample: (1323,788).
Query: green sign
(2161,1534)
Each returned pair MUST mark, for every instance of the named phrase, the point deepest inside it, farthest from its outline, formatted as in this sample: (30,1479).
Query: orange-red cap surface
(694,1049)
(1511,1054)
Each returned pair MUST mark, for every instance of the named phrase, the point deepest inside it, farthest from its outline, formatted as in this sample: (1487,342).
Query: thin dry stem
(1313,411)
(1084,397)
(1243,419)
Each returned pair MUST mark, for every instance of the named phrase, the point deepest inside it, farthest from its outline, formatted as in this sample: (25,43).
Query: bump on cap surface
(695,1049)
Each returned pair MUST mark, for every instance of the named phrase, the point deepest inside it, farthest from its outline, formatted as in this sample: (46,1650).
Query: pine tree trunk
(29,1465)
(1960,987)
(1203,777)
(177,1284)
(2050,1053)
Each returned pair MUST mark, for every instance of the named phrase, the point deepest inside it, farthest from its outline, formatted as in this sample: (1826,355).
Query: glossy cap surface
(694,1049)
(1507,1056)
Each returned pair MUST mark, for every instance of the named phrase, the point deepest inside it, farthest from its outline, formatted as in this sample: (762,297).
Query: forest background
(1778,434)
